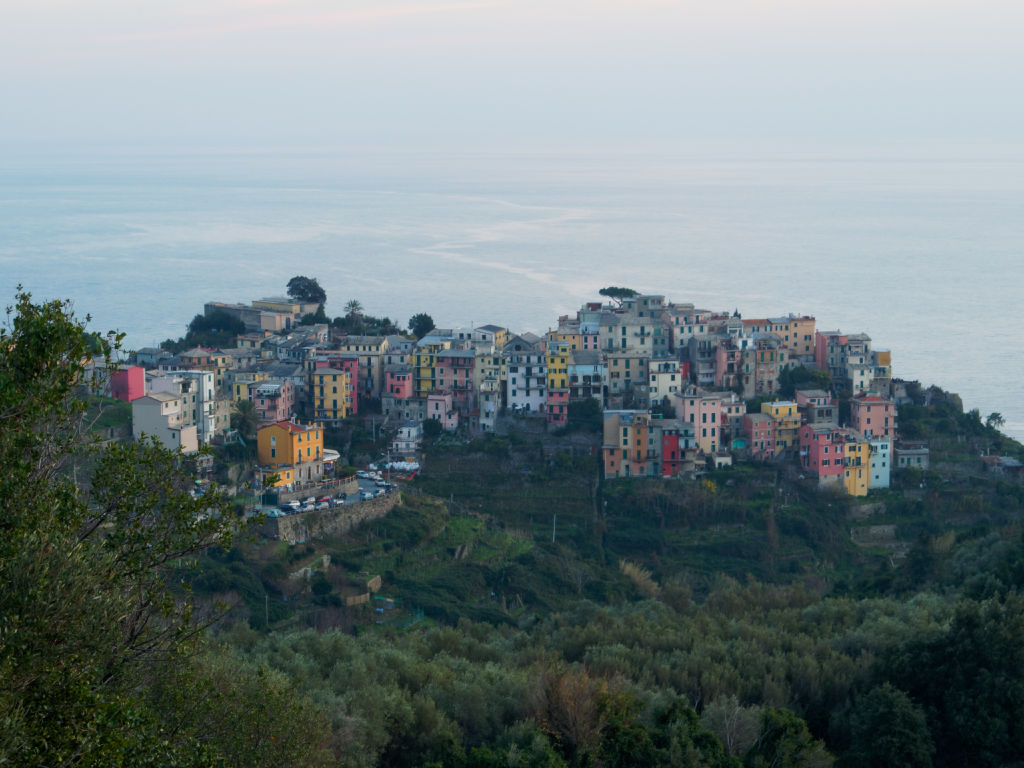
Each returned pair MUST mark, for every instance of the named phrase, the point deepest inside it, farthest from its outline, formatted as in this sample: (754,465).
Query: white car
(362,473)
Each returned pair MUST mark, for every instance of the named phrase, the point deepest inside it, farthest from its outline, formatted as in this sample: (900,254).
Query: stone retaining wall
(306,526)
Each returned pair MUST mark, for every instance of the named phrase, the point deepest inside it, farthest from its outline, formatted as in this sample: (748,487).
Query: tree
(353,307)
(87,615)
(432,428)
(995,420)
(421,324)
(217,329)
(785,741)
(307,290)
(618,294)
(970,682)
(800,377)
(244,418)
(889,729)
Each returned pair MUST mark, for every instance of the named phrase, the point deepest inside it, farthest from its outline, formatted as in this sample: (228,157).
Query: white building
(881,462)
(199,407)
(526,382)
(665,380)
(160,415)
(409,440)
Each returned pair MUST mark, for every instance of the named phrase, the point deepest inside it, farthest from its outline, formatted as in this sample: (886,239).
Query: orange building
(294,452)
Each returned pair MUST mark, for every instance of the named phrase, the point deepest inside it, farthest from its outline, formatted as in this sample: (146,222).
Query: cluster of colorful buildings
(673,382)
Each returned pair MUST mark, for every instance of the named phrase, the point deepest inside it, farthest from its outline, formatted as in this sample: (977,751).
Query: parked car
(323,505)
(295,504)
(364,495)
(324,498)
(309,500)
(380,483)
(309,507)
(362,473)
(338,501)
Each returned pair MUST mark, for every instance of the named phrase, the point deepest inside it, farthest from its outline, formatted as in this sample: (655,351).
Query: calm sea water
(926,257)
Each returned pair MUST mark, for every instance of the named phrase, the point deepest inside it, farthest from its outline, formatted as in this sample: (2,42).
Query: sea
(924,255)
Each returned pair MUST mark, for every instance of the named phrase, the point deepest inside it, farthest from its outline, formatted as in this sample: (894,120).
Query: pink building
(454,371)
(273,401)
(813,397)
(873,416)
(128,383)
(440,406)
(398,382)
(711,414)
(821,452)
(556,408)
(728,364)
(759,430)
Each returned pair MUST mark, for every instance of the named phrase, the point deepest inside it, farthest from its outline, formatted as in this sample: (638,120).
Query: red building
(398,382)
(128,383)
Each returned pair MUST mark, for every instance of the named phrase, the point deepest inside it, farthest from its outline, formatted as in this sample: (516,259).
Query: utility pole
(554,525)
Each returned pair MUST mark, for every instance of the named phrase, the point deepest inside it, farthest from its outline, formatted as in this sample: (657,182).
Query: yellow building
(424,360)
(332,394)
(295,452)
(856,464)
(573,338)
(557,360)
(243,380)
(786,416)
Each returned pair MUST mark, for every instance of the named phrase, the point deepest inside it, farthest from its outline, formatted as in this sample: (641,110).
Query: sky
(540,75)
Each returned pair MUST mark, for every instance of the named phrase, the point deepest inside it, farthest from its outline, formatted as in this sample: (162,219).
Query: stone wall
(327,522)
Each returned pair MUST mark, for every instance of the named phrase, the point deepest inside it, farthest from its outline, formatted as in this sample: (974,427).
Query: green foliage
(432,428)
(421,324)
(312,318)
(585,415)
(306,290)
(245,713)
(362,324)
(617,293)
(970,681)
(889,729)
(785,741)
(244,418)
(800,377)
(87,614)
(217,329)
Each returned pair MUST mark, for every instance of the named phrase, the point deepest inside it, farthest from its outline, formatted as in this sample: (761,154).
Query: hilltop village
(678,388)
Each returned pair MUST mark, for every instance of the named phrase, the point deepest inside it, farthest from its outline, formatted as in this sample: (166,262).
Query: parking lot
(368,488)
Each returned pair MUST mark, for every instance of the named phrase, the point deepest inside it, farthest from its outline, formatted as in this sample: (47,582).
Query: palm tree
(243,418)
(353,308)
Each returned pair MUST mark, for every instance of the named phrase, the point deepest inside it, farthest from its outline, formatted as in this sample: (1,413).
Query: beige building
(160,415)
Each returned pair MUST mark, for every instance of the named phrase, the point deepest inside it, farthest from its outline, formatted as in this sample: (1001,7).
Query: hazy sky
(532,74)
